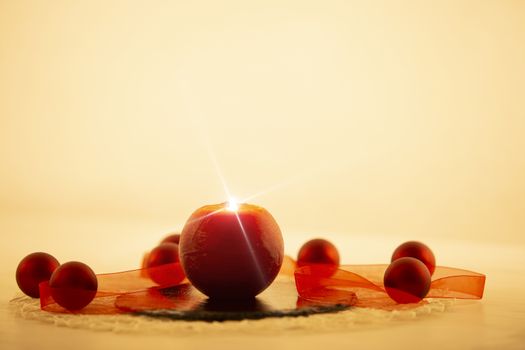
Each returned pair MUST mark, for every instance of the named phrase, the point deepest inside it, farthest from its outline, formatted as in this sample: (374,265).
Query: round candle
(231,251)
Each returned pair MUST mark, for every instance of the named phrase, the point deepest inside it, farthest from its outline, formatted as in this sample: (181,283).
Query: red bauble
(173,238)
(318,251)
(407,280)
(231,252)
(321,253)
(33,269)
(73,285)
(418,250)
(165,253)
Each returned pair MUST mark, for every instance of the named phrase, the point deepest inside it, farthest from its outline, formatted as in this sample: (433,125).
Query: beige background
(346,119)
(387,117)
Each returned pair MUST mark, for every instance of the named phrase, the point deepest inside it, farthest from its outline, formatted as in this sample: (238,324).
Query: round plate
(184,302)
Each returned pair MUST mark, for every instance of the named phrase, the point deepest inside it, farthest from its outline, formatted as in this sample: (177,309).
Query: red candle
(231,252)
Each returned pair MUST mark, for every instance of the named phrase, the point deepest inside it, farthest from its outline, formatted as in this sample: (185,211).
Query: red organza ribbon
(314,283)
(110,287)
(359,285)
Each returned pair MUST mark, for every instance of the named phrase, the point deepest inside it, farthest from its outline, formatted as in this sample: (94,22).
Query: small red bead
(173,238)
(165,253)
(34,269)
(319,252)
(418,250)
(73,285)
(407,280)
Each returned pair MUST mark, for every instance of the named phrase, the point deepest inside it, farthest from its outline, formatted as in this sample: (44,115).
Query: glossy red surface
(407,280)
(73,285)
(172,238)
(231,254)
(318,251)
(33,269)
(165,253)
(416,250)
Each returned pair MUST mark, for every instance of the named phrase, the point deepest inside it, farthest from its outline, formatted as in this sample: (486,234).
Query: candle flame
(232,204)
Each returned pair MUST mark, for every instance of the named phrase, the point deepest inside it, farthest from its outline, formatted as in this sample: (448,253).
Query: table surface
(497,321)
